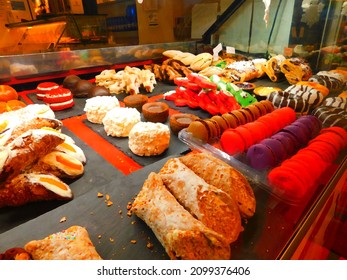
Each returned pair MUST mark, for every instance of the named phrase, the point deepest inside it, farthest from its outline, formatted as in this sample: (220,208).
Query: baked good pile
(194,206)
(36,157)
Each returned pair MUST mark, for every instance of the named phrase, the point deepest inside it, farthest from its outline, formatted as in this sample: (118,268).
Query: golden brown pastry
(240,71)
(71,244)
(31,187)
(272,68)
(221,175)
(212,206)
(182,236)
(296,69)
(201,61)
(25,150)
(35,123)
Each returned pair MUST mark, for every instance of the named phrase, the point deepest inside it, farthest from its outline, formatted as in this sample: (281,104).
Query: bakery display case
(313,30)
(279,226)
(55,33)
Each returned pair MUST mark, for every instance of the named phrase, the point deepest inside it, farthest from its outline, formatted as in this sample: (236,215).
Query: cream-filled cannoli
(31,187)
(182,236)
(210,205)
(221,175)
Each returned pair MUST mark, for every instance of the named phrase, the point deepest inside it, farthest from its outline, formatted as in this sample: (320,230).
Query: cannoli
(31,187)
(72,150)
(182,236)
(71,244)
(59,164)
(338,102)
(25,150)
(221,175)
(210,205)
(333,80)
(35,123)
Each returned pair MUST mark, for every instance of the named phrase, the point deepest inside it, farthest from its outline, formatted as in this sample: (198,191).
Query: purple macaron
(260,157)
(277,148)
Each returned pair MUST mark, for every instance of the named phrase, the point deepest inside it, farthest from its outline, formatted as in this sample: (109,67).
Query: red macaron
(59,99)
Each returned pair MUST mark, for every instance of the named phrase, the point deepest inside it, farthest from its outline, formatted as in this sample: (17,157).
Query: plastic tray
(238,162)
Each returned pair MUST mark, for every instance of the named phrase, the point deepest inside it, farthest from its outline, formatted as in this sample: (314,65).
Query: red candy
(232,142)
(308,164)
(274,121)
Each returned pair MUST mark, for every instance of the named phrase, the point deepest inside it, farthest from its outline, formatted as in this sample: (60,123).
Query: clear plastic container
(257,178)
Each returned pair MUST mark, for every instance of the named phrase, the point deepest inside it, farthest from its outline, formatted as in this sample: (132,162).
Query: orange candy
(7,93)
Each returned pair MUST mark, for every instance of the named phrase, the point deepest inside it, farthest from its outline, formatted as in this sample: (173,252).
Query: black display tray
(176,146)
(112,230)
(76,110)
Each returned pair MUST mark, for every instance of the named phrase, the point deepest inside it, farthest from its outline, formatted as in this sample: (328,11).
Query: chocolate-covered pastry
(71,81)
(82,88)
(98,91)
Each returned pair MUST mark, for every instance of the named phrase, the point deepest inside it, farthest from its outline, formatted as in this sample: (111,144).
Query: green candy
(244,98)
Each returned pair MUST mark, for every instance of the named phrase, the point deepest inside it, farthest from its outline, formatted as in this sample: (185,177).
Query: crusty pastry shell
(71,244)
(221,175)
(201,61)
(171,53)
(35,123)
(23,189)
(210,205)
(182,236)
(26,149)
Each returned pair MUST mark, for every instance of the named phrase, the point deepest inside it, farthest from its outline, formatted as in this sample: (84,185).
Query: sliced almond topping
(100,194)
